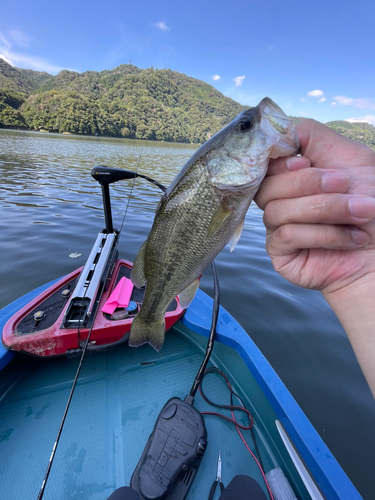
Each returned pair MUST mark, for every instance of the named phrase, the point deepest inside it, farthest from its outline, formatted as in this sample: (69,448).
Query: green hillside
(361,132)
(126,102)
(123,102)
(35,78)
(13,79)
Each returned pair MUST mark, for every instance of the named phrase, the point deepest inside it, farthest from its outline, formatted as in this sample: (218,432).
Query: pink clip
(120,297)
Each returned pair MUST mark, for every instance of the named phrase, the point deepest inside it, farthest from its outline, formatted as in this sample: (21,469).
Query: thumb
(328,149)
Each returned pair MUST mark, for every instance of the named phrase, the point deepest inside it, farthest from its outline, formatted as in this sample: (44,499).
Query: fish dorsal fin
(188,294)
(219,217)
(138,271)
(236,236)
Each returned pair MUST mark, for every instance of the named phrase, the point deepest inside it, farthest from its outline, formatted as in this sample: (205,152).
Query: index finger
(301,183)
(288,164)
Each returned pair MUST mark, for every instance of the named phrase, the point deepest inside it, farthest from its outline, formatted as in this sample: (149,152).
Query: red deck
(55,341)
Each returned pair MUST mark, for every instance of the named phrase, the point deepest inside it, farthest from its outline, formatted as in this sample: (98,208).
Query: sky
(314,59)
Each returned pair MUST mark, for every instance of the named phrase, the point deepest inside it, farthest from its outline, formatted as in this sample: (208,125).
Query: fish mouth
(277,124)
(276,116)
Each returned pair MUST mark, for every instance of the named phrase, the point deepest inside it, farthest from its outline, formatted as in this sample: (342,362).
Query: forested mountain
(125,102)
(358,131)
(12,78)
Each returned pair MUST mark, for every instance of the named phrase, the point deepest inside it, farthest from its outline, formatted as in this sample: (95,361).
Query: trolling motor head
(107,175)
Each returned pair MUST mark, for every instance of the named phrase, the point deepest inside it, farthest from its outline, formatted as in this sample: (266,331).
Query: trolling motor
(96,274)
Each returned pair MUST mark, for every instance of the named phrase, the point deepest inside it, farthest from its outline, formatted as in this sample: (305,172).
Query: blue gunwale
(331,478)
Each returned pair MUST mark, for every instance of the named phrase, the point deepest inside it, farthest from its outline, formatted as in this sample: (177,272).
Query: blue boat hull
(118,397)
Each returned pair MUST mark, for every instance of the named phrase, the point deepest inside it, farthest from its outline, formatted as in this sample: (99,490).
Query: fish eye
(245,124)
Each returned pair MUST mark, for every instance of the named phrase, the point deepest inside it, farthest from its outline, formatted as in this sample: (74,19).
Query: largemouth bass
(203,209)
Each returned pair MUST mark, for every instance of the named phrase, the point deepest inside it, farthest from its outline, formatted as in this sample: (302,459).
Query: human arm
(319,212)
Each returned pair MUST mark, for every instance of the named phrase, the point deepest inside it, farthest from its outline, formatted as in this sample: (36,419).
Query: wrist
(354,306)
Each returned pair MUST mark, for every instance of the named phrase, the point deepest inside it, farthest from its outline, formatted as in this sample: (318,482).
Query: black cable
(153,181)
(210,344)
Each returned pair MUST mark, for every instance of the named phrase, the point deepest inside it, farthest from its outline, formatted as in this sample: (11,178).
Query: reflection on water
(51,207)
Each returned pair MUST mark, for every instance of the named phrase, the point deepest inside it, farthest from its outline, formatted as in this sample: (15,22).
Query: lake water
(51,207)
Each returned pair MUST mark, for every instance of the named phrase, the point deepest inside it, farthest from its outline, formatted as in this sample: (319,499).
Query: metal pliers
(217,480)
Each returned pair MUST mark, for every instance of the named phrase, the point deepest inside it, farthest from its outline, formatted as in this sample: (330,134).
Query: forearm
(354,306)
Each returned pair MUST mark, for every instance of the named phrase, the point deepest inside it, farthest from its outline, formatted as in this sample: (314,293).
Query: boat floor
(116,402)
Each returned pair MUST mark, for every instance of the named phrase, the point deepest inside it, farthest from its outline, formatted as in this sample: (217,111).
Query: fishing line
(131,190)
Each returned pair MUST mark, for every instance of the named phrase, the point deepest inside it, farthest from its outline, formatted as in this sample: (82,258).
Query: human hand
(319,211)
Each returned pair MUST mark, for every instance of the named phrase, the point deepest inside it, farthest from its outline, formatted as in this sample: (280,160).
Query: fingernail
(359,237)
(297,163)
(363,208)
(335,182)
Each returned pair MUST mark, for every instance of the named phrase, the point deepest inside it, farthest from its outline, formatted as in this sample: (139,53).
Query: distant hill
(358,131)
(35,78)
(13,79)
(123,102)
(126,102)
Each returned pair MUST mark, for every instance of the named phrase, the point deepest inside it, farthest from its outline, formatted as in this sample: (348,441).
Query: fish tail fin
(143,331)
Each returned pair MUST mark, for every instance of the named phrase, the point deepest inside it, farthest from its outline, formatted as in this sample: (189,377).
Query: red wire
(255,458)
(238,426)
(234,421)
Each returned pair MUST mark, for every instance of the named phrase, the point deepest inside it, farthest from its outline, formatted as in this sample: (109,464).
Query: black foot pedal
(172,454)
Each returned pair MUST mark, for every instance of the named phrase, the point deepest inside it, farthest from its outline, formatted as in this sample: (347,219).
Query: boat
(120,396)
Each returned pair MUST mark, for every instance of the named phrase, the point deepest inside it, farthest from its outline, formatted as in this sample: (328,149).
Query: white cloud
(322,99)
(6,60)
(302,99)
(216,77)
(366,119)
(21,59)
(333,103)
(315,93)
(238,80)
(162,26)
(4,42)
(20,38)
(361,103)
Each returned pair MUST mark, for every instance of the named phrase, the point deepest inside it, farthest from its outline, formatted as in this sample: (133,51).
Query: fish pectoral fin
(138,273)
(236,236)
(219,217)
(186,297)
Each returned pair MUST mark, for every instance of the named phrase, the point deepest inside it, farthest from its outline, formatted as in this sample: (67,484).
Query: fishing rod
(81,301)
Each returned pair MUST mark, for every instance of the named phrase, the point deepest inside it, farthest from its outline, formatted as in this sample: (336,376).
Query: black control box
(172,454)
